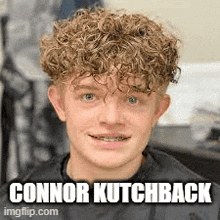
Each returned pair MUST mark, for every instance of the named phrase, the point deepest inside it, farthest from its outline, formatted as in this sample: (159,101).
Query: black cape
(158,167)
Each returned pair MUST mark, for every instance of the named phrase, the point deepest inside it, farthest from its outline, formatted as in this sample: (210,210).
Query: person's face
(107,127)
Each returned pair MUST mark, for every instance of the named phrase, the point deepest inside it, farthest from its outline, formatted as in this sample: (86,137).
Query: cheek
(78,118)
(144,120)
(143,128)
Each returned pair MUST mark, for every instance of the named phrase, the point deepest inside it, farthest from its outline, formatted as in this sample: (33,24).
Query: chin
(111,162)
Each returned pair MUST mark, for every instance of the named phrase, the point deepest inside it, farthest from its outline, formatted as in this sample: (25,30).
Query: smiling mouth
(110,139)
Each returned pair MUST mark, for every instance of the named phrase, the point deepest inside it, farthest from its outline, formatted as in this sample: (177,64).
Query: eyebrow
(79,87)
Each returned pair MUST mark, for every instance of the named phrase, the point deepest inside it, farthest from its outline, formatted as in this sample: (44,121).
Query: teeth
(110,139)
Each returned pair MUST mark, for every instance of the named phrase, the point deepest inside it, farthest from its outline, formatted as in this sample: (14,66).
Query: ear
(162,106)
(57,100)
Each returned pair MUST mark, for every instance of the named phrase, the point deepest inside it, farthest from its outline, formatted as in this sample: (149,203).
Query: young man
(109,73)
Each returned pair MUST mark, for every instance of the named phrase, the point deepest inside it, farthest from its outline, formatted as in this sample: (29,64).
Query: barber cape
(157,168)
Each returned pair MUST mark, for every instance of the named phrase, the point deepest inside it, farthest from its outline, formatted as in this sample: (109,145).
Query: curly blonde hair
(94,40)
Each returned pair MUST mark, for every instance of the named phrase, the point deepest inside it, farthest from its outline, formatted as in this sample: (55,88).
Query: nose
(111,113)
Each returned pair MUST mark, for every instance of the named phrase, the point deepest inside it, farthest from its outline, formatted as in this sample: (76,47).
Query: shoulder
(50,171)
(167,168)
(161,167)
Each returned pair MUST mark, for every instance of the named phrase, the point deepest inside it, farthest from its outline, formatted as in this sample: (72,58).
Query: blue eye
(132,100)
(88,97)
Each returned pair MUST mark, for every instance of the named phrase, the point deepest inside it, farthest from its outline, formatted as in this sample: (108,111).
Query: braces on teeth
(110,139)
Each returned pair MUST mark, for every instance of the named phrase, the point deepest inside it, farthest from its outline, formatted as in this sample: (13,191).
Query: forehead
(109,82)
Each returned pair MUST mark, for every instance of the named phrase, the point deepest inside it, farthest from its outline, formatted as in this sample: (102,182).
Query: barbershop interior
(31,132)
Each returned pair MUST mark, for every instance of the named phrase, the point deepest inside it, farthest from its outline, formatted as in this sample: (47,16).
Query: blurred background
(30,130)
